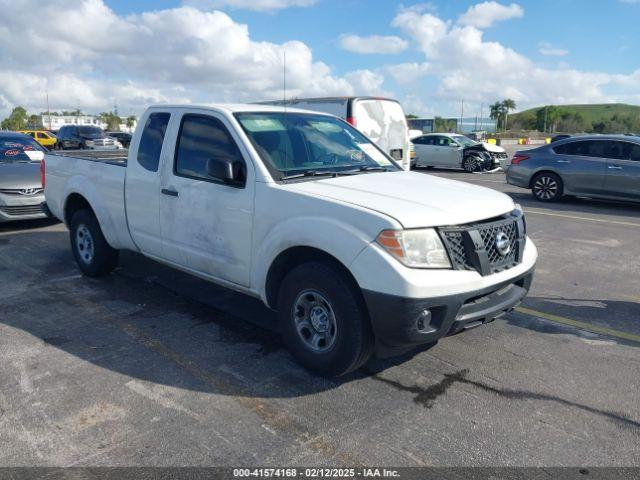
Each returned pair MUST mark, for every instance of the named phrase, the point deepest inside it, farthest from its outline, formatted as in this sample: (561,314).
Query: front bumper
(400,323)
(14,207)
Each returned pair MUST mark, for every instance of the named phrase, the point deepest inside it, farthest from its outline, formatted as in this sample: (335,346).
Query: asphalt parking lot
(153,367)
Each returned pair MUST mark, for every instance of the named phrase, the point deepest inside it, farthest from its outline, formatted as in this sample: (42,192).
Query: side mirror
(222,169)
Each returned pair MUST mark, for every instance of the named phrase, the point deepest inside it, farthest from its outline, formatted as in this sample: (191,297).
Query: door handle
(614,167)
(171,193)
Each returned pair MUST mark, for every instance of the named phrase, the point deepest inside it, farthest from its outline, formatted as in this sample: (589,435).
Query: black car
(123,137)
(559,137)
(84,137)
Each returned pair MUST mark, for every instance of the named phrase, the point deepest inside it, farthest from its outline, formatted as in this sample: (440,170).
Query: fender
(112,223)
(337,238)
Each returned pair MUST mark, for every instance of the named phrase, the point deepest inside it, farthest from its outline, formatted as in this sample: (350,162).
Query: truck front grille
(476,246)
(19,210)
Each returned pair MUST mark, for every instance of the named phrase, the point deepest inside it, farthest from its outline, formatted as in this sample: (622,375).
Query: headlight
(420,248)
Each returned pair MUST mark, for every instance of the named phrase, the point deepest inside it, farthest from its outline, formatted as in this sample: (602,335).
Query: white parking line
(589,219)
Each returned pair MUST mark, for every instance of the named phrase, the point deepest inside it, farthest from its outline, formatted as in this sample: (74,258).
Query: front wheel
(472,163)
(94,256)
(547,187)
(323,320)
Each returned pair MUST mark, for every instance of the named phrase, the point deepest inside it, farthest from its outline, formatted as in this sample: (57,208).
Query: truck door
(142,186)
(206,223)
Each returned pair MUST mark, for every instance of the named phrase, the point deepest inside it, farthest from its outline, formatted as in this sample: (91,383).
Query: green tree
(111,119)
(495,113)
(507,105)
(131,120)
(17,120)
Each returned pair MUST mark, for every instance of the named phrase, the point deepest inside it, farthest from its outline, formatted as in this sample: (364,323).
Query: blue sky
(533,51)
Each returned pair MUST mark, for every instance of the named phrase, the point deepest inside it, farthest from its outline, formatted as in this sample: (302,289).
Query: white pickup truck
(302,211)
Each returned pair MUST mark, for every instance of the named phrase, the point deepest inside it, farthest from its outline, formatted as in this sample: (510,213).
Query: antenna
(284,103)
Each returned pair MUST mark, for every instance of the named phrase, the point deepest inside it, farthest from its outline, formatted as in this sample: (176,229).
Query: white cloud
(257,5)
(484,15)
(373,44)
(95,56)
(366,82)
(405,73)
(549,50)
(462,64)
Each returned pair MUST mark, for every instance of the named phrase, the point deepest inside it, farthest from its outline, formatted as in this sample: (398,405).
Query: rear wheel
(547,187)
(94,256)
(323,320)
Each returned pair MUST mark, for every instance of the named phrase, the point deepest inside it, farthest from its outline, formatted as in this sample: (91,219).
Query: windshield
(19,149)
(462,140)
(91,132)
(295,143)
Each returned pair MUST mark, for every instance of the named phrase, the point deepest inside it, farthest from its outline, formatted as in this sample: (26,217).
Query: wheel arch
(74,203)
(295,256)
(545,170)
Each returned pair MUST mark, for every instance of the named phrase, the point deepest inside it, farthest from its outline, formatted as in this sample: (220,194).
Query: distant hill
(602,118)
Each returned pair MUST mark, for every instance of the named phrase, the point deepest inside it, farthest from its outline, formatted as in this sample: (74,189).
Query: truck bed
(94,175)
(113,157)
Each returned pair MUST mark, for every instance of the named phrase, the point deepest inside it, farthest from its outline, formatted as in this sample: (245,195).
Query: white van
(381,119)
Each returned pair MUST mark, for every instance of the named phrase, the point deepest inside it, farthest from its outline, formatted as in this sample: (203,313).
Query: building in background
(55,122)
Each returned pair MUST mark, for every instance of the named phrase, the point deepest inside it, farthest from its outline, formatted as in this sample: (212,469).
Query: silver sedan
(598,166)
(21,192)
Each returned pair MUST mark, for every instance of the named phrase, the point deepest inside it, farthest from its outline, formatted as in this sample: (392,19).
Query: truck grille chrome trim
(487,247)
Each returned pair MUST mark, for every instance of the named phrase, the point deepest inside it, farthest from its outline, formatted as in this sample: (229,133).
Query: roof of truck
(237,107)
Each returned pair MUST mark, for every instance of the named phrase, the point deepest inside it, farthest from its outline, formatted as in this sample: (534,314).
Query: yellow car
(46,139)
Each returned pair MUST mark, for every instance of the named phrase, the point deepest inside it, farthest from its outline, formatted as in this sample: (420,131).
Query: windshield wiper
(310,173)
(318,173)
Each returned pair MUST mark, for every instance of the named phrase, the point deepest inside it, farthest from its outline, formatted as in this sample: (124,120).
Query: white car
(450,150)
(304,212)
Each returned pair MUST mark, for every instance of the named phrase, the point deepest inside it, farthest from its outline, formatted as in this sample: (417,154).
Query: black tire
(94,256)
(349,344)
(547,187)
(472,163)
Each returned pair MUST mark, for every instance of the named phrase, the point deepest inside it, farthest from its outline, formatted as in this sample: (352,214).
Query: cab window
(152,139)
(203,138)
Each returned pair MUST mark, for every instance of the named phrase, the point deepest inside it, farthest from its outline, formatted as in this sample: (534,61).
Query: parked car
(303,211)
(21,192)
(561,136)
(44,138)
(85,137)
(599,166)
(451,150)
(123,137)
(381,119)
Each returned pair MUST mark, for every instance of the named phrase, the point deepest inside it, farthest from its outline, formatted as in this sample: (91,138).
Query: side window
(151,140)
(586,148)
(443,141)
(631,151)
(201,139)
(42,135)
(428,140)
(615,150)
(419,141)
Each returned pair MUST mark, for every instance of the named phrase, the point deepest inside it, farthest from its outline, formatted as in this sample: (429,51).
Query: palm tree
(495,113)
(131,120)
(507,106)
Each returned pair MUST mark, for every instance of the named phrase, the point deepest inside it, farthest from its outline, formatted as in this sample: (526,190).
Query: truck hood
(20,175)
(413,199)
